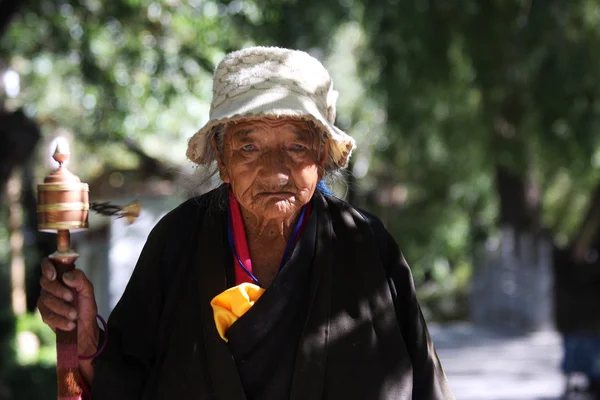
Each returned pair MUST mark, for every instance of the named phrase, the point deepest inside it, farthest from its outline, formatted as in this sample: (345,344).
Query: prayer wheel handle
(63,206)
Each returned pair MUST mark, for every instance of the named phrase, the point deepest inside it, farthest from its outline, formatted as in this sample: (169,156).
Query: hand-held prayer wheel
(63,206)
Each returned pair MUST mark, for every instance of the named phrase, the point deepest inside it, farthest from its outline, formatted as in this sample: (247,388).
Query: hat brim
(274,103)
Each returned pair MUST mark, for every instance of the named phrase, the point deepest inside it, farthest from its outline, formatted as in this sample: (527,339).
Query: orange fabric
(230,305)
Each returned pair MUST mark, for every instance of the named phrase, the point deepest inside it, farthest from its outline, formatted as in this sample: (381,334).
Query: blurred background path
(486,365)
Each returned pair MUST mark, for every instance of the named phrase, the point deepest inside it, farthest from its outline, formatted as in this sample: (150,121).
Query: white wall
(108,260)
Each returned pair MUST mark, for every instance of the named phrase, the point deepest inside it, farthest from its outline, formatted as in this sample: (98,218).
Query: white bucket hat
(260,82)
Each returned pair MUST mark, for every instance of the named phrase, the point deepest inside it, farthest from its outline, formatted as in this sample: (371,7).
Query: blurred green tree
(491,120)
(470,114)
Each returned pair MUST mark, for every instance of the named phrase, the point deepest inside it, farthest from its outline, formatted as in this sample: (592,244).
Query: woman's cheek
(247,157)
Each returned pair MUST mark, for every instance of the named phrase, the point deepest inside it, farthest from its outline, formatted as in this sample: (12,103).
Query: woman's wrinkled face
(273,165)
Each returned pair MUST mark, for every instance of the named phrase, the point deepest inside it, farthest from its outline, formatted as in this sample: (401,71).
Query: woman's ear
(223,171)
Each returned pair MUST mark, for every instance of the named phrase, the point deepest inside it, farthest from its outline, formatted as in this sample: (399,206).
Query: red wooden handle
(67,362)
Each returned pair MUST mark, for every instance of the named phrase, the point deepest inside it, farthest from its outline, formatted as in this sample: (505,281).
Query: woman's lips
(269,194)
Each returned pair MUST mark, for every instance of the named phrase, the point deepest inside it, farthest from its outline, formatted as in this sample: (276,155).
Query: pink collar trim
(240,242)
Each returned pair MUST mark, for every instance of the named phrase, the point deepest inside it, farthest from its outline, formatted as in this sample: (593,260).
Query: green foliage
(46,353)
(445,296)
(107,71)
(470,85)
(438,94)
(32,382)
(26,376)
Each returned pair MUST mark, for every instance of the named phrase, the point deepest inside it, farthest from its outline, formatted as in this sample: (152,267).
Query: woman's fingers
(78,281)
(58,306)
(55,301)
(48,269)
(56,289)
(54,320)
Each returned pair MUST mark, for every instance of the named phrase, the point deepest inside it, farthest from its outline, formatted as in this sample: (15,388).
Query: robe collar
(213,253)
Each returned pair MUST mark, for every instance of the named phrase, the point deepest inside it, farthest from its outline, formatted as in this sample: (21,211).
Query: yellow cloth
(230,305)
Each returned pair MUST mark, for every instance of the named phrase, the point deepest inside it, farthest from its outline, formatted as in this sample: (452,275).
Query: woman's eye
(298,146)
(249,147)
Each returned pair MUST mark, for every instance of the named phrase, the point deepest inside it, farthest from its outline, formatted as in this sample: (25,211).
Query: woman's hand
(55,305)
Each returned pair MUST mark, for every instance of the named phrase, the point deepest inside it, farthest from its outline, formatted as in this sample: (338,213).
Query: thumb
(77,280)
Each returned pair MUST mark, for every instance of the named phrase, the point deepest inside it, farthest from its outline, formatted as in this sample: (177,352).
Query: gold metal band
(60,187)
(75,206)
(63,225)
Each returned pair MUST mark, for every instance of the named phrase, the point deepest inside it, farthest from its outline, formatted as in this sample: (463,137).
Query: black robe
(341,321)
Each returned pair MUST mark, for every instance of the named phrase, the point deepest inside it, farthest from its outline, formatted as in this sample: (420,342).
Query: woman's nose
(275,168)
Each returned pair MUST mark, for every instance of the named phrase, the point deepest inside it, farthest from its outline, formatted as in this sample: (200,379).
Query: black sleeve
(120,371)
(429,380)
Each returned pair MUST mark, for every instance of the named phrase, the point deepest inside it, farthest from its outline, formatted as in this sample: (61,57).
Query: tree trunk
(17,257)
(43,243)
(588,230)
(18,137)
(519,201)
(7,319)
(512,281)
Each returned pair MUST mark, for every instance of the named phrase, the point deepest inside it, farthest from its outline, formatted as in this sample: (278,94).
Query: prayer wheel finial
(61,152)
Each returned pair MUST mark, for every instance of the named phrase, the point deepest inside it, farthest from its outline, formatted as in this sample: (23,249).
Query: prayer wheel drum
(63,201)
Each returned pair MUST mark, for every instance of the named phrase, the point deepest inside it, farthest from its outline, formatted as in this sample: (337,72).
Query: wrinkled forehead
(301,129)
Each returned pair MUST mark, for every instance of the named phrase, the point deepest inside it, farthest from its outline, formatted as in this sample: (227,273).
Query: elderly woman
(267,287)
